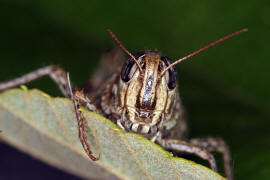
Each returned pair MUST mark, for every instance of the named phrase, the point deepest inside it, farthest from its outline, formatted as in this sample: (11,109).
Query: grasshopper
(140,96)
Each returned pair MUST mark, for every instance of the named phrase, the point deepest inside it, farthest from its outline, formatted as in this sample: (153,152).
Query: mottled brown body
(140,96)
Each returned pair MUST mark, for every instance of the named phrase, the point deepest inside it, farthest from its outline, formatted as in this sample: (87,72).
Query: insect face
(146,96)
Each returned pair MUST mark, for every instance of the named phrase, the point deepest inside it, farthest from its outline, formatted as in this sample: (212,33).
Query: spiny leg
(56,73)
(186,147)
(80,98)
(217,145)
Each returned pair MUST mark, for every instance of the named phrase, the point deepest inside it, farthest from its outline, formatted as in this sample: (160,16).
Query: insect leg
(83,100)
(79,98)
(218,145)
(56,73)
(186,147)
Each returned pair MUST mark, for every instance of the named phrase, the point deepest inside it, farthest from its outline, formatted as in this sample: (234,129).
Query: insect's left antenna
(203,49)
(124,49)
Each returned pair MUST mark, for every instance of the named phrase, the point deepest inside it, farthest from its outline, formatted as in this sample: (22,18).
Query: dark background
(225,89)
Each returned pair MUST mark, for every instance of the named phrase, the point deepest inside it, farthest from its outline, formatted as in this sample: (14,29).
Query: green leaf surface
(46,128)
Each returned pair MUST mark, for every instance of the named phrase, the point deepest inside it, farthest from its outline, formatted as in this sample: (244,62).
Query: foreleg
(79,98)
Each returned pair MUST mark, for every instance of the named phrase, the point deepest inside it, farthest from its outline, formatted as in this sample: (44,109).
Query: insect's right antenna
(124,49)
(203,49)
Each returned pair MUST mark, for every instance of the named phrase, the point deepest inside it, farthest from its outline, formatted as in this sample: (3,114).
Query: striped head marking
(145,95)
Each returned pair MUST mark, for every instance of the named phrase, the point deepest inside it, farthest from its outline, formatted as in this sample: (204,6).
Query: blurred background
(225,89)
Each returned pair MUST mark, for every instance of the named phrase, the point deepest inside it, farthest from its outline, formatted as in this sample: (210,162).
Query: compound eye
(171,74)
(125,73)
(129,68)
(172,79)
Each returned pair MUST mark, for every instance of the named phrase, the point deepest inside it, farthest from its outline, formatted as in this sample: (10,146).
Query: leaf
(46,128)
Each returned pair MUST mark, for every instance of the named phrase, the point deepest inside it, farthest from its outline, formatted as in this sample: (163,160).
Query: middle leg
(56,73)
